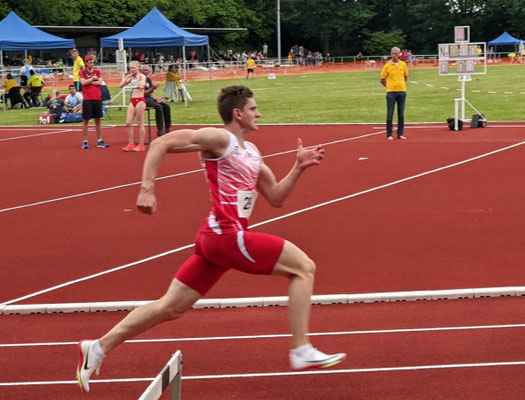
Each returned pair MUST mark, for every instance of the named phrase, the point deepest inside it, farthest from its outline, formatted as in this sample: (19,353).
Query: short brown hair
(230,98)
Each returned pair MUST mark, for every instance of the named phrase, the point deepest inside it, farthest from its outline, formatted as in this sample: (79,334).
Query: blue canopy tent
(155,30)
(17,34)
(505,40)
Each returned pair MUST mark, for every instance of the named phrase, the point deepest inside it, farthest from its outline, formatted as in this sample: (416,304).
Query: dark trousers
(162,113)
(391,99)
(32,98)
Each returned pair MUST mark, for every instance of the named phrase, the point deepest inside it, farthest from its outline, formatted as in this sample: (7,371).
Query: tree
(323,23)
(380,43)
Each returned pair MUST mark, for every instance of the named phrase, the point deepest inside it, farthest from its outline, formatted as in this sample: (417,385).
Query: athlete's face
(249,115)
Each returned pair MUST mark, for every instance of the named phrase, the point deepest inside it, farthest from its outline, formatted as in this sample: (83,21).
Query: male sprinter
(235,171)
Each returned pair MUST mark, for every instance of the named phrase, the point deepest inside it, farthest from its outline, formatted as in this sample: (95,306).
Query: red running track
(459,227)
(458,363)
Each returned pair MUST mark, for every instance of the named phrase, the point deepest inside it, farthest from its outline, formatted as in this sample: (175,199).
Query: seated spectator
(74,99)
(56,104)
(162,110)
(9,83)
(35,85)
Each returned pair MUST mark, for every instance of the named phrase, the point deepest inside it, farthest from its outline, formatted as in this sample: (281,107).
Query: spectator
(74,99)
(394,76)
(77,66)
(136,107)
(35,84)
(171,90)
(56,105)
(162,110)
(250,66)
(91,80)
(25,72)
(9,84)
(12,92)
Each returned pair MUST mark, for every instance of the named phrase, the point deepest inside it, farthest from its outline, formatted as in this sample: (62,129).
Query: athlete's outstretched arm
(277,192)
(210,141)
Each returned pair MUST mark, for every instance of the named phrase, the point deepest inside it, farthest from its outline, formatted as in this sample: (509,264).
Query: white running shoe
(87,363)
(313,358)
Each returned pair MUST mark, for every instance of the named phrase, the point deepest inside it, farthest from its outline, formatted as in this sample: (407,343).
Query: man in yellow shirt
(250,65)
(77,66)
(394,76)
(35,84)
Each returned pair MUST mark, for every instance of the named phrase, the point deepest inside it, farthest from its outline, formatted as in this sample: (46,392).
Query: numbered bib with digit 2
(245,202)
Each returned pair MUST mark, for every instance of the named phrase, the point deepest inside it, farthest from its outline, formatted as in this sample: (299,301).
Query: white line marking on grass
(280,374)
(286,335)
(326,203)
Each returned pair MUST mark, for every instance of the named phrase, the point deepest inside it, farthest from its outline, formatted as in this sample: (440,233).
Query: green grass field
(342,98)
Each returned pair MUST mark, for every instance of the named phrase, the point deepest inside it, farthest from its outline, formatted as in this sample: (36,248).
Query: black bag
(450,123)
(478,121)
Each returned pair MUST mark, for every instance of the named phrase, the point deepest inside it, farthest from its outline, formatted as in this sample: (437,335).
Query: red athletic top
(89,91)
(232,180)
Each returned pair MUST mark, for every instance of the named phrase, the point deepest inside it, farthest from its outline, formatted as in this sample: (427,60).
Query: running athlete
(137,105)
(235,172)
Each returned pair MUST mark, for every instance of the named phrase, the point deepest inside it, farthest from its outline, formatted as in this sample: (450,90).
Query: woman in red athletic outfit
(137,105)
(235,172)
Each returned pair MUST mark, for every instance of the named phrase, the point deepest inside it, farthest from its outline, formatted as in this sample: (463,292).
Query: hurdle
(170,375)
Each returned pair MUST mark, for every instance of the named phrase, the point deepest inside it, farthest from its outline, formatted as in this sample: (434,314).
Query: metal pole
(209,68)
(279,32)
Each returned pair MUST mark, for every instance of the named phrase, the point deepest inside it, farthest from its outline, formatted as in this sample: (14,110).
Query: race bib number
(245,202)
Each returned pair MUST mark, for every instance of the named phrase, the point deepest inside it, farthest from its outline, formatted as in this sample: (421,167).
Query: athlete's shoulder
(253,146)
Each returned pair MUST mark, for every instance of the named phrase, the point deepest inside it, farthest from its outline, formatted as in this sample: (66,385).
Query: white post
(184,61)
(279,32)
(463,98)
(209,66)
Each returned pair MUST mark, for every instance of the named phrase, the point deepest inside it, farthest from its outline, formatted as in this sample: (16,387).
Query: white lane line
(109,271)
(387,185)
(38,203)
(36,134)
(272,220)
(284,335)
(281,374)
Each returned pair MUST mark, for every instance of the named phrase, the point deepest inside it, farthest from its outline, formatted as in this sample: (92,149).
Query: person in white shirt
(74,99)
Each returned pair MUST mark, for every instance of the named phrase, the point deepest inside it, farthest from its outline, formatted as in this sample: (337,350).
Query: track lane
(446,348)
(457,218)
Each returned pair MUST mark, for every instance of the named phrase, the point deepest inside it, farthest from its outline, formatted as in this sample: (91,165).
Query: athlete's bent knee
(308,268)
